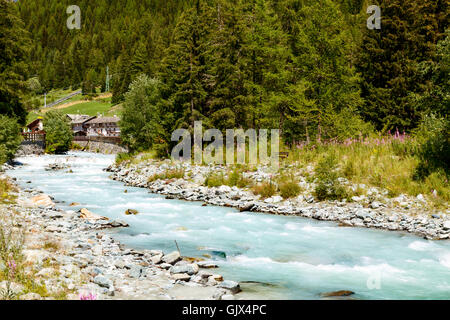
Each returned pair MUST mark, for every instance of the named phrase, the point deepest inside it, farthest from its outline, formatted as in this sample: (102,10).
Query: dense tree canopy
(308,67)
(14,46)
(58,130)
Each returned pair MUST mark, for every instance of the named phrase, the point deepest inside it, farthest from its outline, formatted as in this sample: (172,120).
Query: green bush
(289,189)
(235,178)
(433,151)
(168,174)
(214,180)
(265,189)
(327,185)
(9,138)
(58,138)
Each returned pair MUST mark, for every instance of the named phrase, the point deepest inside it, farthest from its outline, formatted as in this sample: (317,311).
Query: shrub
(174,174)
(214,179)
(289,189)
(123,156)
(265,189)
(433,138)
(328,186)
(168,174)
(58,138)
(235,178)
(9,138)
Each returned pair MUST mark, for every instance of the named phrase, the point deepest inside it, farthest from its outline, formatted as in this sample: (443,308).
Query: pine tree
(13,62)
(389,60)
(185,68)
(324,84)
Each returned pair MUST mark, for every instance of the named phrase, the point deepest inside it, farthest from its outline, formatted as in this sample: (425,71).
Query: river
(275,257)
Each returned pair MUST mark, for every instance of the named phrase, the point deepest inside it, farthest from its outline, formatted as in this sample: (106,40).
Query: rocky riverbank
(100,147)
(73,255)
(375,210)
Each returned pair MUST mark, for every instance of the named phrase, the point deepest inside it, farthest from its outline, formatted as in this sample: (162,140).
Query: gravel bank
(74,254)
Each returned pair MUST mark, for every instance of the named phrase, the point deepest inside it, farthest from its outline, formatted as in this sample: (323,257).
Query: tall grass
(388,162)
(168,174)
(232,178)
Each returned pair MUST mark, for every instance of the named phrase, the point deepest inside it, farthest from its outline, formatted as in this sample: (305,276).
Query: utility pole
(45,99)
(107,79)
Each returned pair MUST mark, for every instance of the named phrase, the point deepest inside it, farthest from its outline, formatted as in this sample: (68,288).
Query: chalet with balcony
(35,126)
(103,127)
(78,123)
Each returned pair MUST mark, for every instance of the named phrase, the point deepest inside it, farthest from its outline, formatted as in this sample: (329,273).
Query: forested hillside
(311,68)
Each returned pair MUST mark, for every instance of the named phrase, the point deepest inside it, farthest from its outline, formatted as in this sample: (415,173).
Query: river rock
(131,212)
(118,224)
(42,200)
(86,214)
(224,189)
(135,271)
(172,257)
(446,225)
(340,293)
(217,277)
(230,285)
(156,258)
(181,276)
(190,269)
(375,205)
(102,281)
(218,294)
(207,265)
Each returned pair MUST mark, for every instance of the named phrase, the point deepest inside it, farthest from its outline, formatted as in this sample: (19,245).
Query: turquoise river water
(275,257)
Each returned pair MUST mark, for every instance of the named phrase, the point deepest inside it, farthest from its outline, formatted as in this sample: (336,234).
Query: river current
(274,257)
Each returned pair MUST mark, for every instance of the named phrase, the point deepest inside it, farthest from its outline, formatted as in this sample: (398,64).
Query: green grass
(91,108)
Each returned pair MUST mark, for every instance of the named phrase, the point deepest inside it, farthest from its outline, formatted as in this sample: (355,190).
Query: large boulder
(102,281)
(42,200)
(230,285)
(172,257)
(181,277)
(190,269)
(86,214)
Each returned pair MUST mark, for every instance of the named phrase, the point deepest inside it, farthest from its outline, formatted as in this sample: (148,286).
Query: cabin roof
(34,123)
(80,119)
(104,120)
